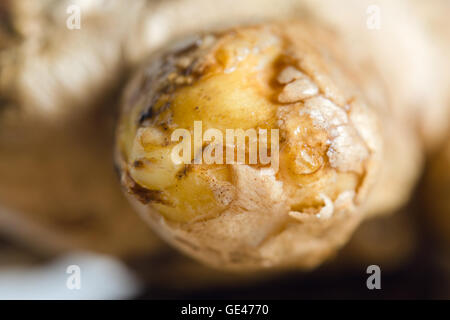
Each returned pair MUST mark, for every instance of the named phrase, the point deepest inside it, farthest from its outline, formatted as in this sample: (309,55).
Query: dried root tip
(297,87)
(290,74)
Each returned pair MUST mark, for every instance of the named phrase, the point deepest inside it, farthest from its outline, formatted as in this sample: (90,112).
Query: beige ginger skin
(288,76)
(49,74)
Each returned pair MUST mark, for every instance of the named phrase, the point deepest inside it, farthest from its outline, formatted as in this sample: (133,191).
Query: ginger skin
(287,76)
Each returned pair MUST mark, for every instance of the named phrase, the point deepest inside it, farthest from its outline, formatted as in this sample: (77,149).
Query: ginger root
(288,76)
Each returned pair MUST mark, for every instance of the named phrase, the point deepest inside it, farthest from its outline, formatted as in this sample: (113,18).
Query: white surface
(101,278)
